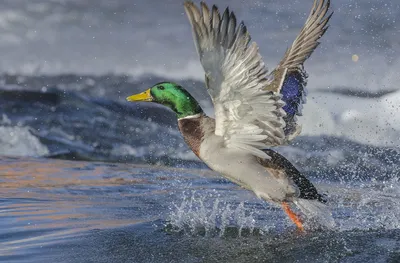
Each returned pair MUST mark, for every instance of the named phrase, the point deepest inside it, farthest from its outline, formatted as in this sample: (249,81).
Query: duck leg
(295,218)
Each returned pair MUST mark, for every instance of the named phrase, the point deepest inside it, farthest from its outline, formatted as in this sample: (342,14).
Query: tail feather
(316,212)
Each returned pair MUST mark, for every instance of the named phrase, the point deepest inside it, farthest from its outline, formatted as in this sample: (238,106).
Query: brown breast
(192,132)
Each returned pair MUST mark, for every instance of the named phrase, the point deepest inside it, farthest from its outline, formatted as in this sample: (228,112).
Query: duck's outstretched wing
(247,116)
(289,78)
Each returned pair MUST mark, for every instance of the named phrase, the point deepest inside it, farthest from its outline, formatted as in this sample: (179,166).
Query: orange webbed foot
(292,215)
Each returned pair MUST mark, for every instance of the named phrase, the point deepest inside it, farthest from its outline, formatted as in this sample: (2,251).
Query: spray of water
(195,216)
(370,206)
(373,206)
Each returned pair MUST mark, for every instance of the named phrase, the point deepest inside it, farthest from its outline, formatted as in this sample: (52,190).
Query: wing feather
(247,117)
(289,78)
(251,106)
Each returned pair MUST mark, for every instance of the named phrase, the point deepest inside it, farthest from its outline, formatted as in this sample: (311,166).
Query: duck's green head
(171,95)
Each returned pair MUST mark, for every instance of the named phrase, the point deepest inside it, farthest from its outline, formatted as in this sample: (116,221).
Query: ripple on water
(68,211)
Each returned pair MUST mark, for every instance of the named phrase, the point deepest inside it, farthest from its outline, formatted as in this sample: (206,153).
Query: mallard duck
(254,110)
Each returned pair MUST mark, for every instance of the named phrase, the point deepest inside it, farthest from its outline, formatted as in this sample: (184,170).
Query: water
(69,211)
(88,177)
(92,196)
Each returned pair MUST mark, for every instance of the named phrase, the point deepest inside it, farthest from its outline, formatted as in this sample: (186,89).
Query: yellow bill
(144,96)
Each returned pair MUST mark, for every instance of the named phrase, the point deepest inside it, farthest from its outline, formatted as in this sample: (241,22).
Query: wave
(19,141)
(86,118)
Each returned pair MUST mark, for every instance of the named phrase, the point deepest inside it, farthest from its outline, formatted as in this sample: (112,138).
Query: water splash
(372,206)
(19,141)
(367,206)
(379,205)
(195,216)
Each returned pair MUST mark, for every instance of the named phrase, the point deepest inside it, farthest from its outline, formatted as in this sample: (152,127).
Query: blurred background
(107,50)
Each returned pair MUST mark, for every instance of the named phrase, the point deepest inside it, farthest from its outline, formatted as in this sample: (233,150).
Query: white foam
(368,121)
(19,141)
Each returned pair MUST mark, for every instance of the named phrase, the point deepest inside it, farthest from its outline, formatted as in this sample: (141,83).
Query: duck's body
(238,166)
(254,110)
(274,179)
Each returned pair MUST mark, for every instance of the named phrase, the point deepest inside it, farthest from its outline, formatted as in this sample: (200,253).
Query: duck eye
(161,87)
